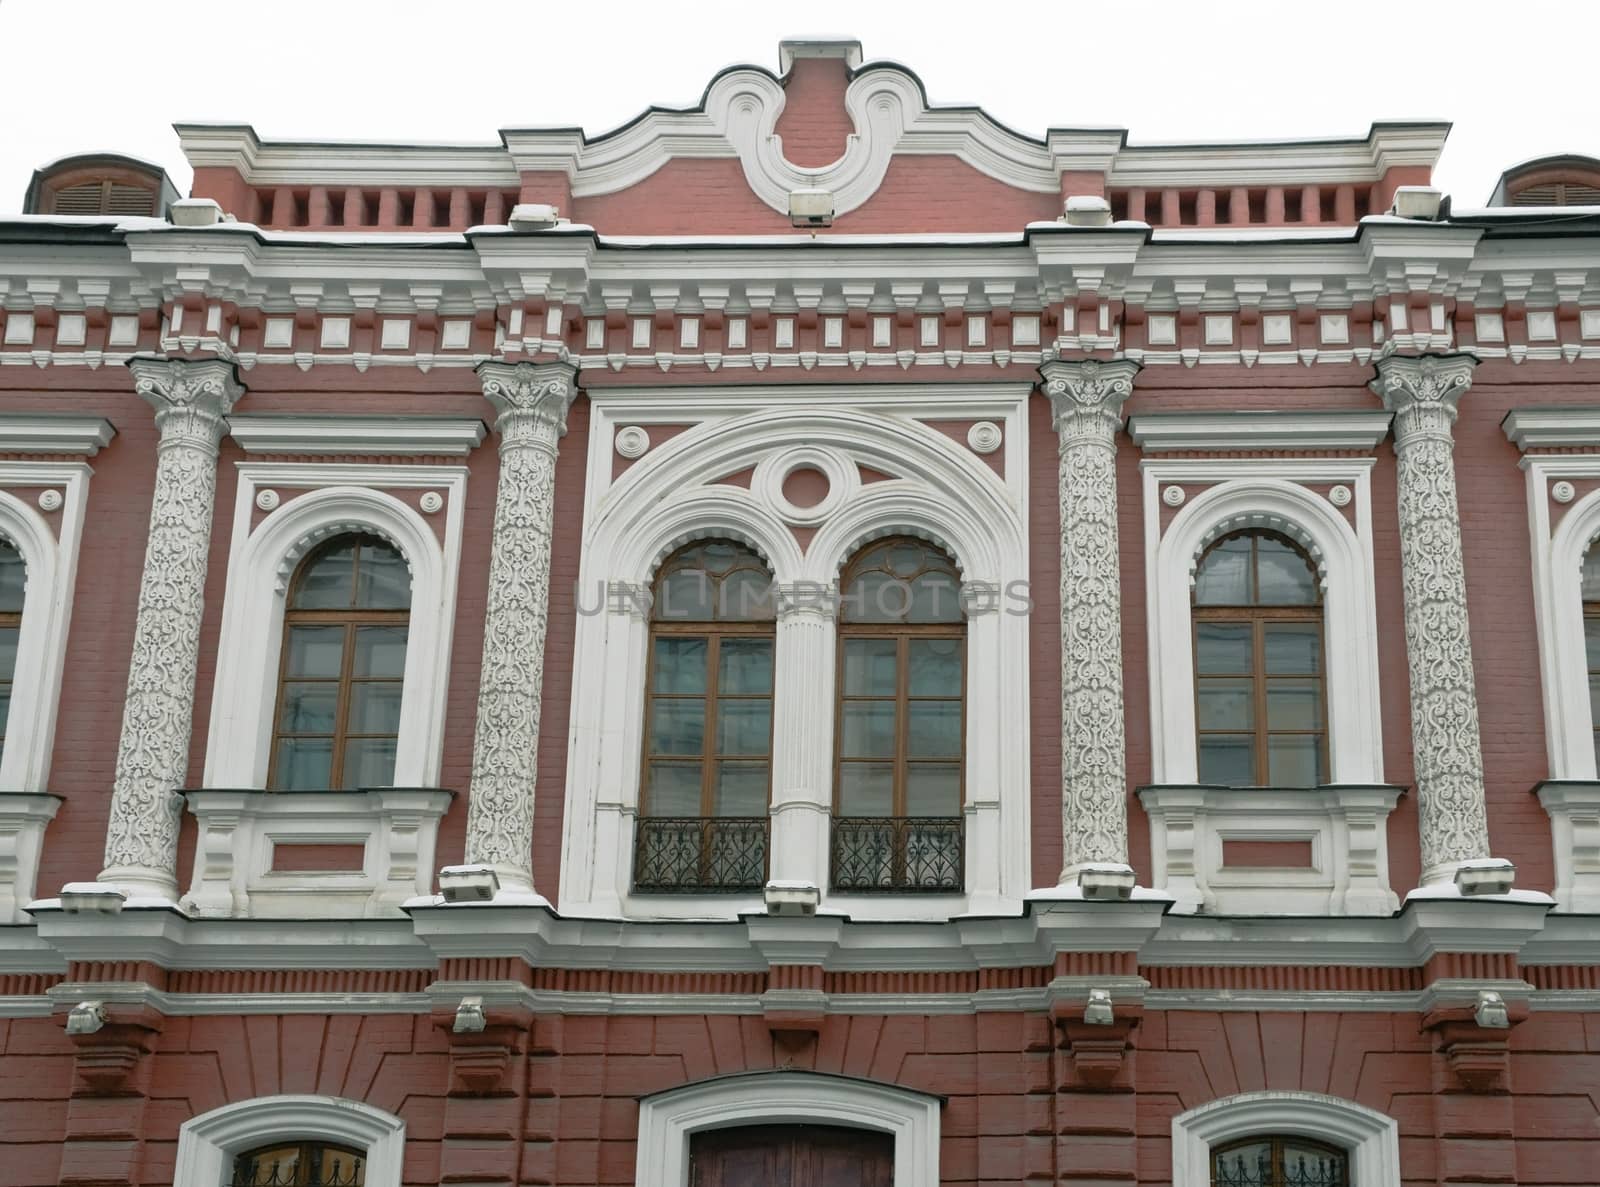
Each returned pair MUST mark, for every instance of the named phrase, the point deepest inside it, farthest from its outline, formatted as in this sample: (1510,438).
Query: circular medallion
(431,501)
(1340,496)
(50,500)
(1563,491)
(1173,496)
(984,437)
(632,441)
(267,499)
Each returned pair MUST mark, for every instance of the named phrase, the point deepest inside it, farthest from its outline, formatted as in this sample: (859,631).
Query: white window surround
(207,1144)
(1372,1139)
(238,831)
(668,1119)
(50,563)
(942,492)
(1558,605)
(388,436)
(1265,492)
(1165,432)
(338,498)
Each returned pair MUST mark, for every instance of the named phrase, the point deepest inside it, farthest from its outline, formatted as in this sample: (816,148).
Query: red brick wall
(1013,1110)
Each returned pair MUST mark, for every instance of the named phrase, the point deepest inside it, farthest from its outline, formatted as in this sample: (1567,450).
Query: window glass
(13,576)
(12,580)
(341,675)
(1260,702)
(901,718)
(1279,1162)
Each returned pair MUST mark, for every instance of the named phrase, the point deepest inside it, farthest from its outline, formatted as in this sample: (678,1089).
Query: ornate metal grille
(700,854)
(1279,1162)
(300,1164)
(899,853)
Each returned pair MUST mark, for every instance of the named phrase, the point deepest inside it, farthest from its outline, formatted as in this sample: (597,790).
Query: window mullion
(708,744)
(1259,642)
(341,719)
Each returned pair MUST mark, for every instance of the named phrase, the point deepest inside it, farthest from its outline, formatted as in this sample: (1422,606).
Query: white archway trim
(338,497)
(1272,492)
(50,563)
(1558,609)
(1372,1139)
(940,490)
(207,1144)
(669,1119)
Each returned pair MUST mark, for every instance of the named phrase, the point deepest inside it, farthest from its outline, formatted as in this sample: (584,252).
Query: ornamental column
(802,767)
(1086,400)
(191,398)
(531,402)
(1423,393)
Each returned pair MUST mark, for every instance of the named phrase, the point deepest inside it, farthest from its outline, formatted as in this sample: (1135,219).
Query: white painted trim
(1574,811)
(1345,824)
(1557,561)
(208,1143)
(1573,427)
(1231,432)
(50,560)
(389,436)
(23,818)
(1372,1139)
(668,1119)
(238,832)
(1270,491)
(672,495)
(338,497)
(85,435)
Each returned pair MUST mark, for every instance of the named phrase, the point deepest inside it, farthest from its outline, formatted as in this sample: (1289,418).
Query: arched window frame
(1561,612)
(1372,1139)
(1259,614)
(1278,496)
(329,500)
(668,1119)
(677,492)
(50,560)
(207,1144)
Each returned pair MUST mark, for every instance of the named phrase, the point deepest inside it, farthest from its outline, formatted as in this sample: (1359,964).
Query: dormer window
(1550,181)
(100,184)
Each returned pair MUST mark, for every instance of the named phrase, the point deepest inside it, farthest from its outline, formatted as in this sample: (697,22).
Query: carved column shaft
(531,402)
(191,399)
(1086,399)
(1424,394)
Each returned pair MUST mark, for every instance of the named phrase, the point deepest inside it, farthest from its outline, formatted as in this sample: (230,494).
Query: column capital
(190,396)
(1424,391)
(530,401)
(1086,397)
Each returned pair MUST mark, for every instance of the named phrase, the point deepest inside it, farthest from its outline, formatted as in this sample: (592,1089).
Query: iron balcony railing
(700,854)
(905,854)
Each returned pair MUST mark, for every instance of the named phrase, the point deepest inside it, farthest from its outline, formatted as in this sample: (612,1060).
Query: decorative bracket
(484,1045)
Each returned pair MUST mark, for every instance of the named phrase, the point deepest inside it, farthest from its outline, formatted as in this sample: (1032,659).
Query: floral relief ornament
(531,402)
(1424,394)
(1086,399)
(191,399)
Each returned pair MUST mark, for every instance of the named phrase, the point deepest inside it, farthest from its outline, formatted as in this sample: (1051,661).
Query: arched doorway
(791,1156)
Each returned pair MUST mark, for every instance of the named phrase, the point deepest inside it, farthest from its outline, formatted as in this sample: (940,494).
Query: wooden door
(791,1156)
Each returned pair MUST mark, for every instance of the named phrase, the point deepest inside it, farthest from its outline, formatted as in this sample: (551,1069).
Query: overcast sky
(1516,77)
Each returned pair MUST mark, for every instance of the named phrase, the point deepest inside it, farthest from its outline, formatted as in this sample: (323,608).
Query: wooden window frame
(1257,617)
(351,619)
(713,631)
(309,1152)
(1277,1142)
(901,634)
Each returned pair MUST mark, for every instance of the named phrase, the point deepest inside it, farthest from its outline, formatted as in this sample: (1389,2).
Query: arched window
(1279,1162)
(300,1164)
(901,715)
(342,672)
(707,773)
(1260,705)
(1591,637)
(13,576)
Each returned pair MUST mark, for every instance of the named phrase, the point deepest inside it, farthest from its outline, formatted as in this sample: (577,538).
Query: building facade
(813,639)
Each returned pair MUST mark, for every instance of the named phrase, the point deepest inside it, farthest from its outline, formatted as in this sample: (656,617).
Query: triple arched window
(341,673)
(12,580)
(706,772)
(1260,682)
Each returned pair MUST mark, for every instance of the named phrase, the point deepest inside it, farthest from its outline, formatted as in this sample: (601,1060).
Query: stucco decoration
(191,399)
(531,402)
(1424,393)
(1086,400)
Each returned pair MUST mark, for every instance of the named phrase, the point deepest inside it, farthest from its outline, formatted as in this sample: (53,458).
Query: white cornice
(84,436)
(1289,163)
(1166,432)
(339,163)
(1553,428)
(390,436)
